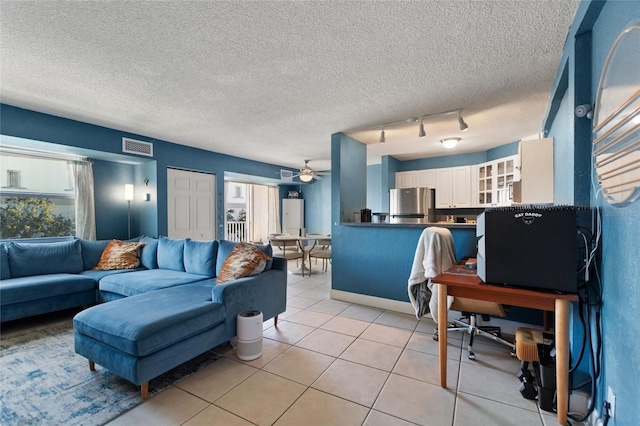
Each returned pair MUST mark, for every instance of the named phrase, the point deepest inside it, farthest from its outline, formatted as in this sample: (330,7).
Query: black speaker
(529,247)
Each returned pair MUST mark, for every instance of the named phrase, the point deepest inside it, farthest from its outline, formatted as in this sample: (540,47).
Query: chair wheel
(435,337)
(472,356)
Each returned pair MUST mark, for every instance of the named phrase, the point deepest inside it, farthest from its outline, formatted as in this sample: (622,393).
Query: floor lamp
(128,195)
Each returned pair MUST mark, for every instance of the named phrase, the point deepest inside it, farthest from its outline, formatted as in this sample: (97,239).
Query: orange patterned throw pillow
(244,260)
(120,255)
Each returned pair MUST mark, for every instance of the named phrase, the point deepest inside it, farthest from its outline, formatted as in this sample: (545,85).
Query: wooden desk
(458,281)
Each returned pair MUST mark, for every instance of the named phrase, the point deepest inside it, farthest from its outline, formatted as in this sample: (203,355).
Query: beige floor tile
(333,307)
(300,302)
(326,342)
(215,416)
(300,365)
(426,368)
(315,294)
(355,382)
(310,318)
(347,326)
(288,332)
(172,406)
(472,411)
(290,311)
(295,291)
(306,284)
(422,342)
(262,398)
(215,380)
(362,313)
(474,379)
(416,401)
(372,354)
(387,334)
(396,319)
(493,355)
(315,408)
(270,350)
(377,418)
(427,326)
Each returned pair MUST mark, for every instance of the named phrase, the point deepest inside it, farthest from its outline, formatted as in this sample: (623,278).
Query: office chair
(435,253)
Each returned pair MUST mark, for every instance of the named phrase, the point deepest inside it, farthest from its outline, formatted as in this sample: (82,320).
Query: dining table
(306,243)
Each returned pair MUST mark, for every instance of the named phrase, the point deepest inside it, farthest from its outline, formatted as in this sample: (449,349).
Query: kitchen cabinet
(416,178)
(453,187)
(495,182)
(535,184)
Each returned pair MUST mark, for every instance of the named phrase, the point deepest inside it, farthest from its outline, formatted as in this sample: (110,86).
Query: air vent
(286,175)
(133,146)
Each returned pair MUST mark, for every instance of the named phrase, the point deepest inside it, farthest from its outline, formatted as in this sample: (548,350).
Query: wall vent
(286,175)
(133,146)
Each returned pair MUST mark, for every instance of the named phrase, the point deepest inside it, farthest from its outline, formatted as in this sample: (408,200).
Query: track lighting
(421,130)
(450,143)
(463,125)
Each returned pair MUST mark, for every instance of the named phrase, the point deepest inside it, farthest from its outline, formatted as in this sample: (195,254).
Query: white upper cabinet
(536,171)
(495,182)
(453,187)
(416,178)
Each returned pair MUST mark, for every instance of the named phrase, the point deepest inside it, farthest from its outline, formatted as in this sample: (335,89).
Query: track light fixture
(463,125)
(421,130)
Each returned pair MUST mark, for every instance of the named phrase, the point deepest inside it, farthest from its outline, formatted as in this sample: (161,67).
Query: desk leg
(562,358)
(442,333)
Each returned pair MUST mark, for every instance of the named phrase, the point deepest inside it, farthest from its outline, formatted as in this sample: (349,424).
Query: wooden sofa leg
(144,390)
(275,321)
(92,366)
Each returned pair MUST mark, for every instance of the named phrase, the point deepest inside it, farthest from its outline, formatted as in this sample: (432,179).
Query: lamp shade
(450,143)
(128,192)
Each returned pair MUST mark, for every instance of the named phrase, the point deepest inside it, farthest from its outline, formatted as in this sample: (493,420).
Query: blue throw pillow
(171,254)
(200,257)
(5,273)
(149,255)
(225,247)
(91,252)
(45,258)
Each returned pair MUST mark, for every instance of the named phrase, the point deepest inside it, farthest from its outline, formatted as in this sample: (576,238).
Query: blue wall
(317,210)
(593,32)
(151,217)
(376,198)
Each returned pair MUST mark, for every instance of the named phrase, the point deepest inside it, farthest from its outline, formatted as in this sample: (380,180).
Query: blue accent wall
(595,28)
(375,195)
(317,209)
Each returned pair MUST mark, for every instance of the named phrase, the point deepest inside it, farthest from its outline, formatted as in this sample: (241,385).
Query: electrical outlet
(611,399)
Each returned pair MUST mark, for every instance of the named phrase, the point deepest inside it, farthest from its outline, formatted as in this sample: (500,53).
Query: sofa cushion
(27,259)
(24,289)
(146,280)
(4,262)
(119,255)
(200,257)
(171,254)
(149,253)
(98,275)
(144,324)
(91,252)
(244,260)
(225,247)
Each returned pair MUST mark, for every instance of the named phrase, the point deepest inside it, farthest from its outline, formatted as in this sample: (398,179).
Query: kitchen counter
(448,225)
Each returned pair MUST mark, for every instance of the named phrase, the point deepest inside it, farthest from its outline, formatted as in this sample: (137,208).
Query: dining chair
(322,251)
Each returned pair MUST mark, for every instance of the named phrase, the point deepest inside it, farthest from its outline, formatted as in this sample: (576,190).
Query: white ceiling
(271,81)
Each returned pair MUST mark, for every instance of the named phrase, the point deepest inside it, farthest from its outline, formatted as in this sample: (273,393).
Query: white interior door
(191,207)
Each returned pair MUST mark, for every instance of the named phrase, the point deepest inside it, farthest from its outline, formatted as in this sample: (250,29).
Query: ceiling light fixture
(450,143)
(306,177)
(421,130)
(463,125)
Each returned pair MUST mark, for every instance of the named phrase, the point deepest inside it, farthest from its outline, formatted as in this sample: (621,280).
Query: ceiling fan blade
(315,176)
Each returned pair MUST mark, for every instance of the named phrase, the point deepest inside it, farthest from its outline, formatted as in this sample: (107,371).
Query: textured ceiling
(271,81)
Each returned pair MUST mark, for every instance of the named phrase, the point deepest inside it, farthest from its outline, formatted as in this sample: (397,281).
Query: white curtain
(82,173)
(274,210)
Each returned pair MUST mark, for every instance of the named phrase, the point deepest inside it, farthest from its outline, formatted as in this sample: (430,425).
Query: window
(36,198)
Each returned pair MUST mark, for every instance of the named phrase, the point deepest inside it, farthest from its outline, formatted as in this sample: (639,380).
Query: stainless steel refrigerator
(412,205)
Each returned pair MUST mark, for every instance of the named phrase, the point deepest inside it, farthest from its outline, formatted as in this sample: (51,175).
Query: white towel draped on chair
(435,253)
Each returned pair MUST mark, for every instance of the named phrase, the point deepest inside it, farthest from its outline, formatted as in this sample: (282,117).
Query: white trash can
(249,335)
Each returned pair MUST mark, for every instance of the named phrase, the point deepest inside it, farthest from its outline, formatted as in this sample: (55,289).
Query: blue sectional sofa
(158,316)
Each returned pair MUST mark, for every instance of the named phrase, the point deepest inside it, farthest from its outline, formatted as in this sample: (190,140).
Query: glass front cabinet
(495,182)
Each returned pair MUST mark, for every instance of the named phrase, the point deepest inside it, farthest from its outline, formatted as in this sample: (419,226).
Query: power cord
(607,406)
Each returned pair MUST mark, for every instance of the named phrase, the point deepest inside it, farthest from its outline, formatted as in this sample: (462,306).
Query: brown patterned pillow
(120,255)
(244,260)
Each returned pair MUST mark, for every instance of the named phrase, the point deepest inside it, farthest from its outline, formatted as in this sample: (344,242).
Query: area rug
(43,381)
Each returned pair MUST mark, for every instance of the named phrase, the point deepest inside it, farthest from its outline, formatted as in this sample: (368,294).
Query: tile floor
(334,363)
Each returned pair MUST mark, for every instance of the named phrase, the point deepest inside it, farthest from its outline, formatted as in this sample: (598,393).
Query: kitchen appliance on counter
(412,205)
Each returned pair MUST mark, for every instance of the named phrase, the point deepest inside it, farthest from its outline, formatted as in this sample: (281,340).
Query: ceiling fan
(307,173)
